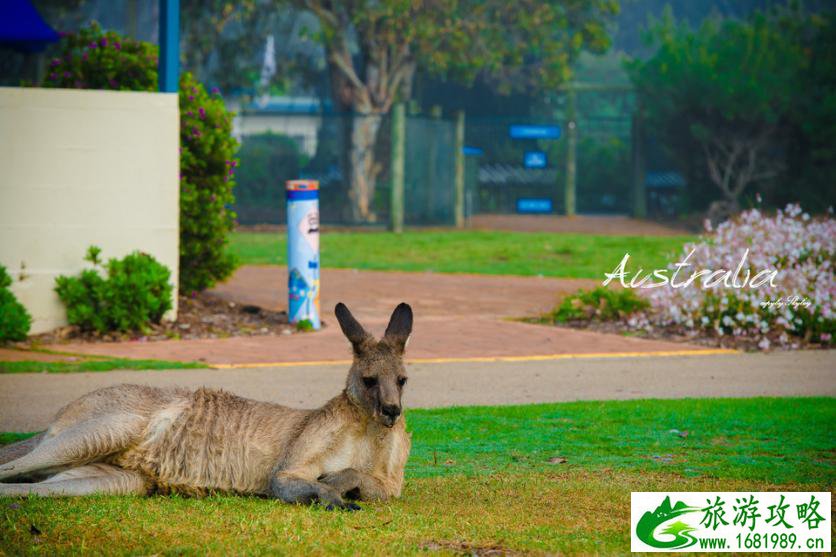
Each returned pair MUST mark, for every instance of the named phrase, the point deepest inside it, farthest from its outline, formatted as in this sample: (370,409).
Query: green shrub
(207,166)
(134,294)
(95,59)
(14,319)
(599,304)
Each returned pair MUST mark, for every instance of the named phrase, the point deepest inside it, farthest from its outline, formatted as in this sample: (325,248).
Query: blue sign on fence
(472,151)
(534,132)
(534,205)
(535,159)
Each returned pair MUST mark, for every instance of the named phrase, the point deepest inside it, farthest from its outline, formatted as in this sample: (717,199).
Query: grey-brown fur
(132,439)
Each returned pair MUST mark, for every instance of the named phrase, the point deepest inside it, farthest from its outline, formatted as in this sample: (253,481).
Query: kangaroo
(131,439)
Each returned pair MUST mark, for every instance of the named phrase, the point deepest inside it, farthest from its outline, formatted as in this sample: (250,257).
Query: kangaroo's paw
(349,506)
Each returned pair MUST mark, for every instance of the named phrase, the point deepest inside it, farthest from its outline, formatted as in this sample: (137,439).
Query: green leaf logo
(681,532)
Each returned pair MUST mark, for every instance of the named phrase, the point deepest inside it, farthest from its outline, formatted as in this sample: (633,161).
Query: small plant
(134,294)
(304,325)
(600,304)
(14,319)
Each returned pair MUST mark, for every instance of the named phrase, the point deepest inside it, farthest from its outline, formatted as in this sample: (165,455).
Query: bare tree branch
(713,169)
(346,67)
(395,84)
(324,15)
(744,175)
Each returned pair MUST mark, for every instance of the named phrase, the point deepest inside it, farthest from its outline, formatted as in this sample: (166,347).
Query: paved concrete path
(456,316)
(28,401)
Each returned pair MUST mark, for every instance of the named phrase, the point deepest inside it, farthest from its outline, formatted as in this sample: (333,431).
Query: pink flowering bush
(797,305)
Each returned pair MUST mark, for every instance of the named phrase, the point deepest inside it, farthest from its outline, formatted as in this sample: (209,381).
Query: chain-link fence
(429,168)
(603,154)
(511,169)
(522,162)
(329,148)
(512,164)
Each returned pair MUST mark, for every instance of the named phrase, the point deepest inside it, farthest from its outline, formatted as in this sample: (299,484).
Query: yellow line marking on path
(477,359)
(281,364)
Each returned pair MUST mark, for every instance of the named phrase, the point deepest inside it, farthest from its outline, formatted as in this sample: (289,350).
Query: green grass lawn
(479,478)
(483,252)
(97,364)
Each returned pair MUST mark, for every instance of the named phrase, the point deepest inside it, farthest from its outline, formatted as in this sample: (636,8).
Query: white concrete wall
(79,168)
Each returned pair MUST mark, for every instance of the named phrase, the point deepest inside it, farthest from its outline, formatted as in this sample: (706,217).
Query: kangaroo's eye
(370,382)
(401,381)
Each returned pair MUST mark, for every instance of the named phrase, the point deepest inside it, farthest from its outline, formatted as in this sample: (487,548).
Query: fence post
(639,195)
(397,169)
(427,190)
(571,150)
(459,175)
(169,57)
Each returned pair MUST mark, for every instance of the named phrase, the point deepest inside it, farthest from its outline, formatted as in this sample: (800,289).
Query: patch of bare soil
(680,334)
(465,548)
(201,316)
(19,352)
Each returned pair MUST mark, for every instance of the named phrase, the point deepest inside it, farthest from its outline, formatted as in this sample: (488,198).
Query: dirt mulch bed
(677,334)
(200,316)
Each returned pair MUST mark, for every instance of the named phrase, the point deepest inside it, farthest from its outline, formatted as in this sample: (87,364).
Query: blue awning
(23,28)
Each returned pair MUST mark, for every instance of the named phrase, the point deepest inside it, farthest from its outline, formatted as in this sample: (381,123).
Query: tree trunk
(733,165)
(366,90)
(722,210)
(362,167)
(722,162)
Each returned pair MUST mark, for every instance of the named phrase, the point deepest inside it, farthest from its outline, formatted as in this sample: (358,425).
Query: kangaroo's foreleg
(20,448)
(354,484)
(93,479)
(79,444)
(294,489)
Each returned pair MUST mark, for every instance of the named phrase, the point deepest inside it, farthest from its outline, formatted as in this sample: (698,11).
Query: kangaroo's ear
(400,327)
(352,329)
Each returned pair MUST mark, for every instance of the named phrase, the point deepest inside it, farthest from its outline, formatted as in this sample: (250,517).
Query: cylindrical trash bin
(303,251)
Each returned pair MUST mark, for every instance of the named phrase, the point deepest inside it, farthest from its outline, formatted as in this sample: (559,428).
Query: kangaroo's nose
(391,410)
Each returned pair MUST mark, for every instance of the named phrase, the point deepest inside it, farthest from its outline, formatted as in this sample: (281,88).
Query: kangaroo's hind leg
(81,443)
(92,479)
(20,448)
